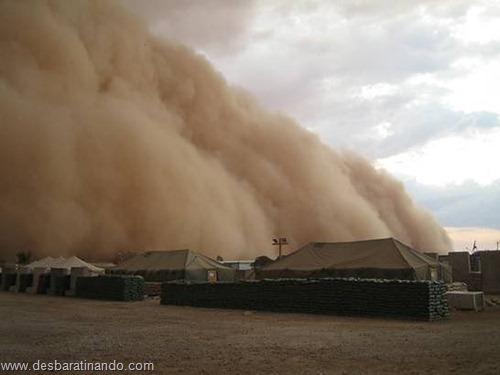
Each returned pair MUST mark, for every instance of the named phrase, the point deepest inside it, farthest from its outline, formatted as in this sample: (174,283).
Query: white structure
(466,300)
(239,265)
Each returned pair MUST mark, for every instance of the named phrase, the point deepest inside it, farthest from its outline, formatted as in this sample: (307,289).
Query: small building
(479,270)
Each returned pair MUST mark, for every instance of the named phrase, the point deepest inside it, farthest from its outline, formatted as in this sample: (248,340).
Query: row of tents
(385,258)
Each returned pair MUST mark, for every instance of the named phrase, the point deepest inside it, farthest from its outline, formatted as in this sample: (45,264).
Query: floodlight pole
(279,242)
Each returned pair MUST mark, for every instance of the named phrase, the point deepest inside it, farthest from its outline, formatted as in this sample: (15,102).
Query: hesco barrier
(153,288)
(421,300)
(43,283)
(59,284)
(8,280)
(25,280)
(111,287)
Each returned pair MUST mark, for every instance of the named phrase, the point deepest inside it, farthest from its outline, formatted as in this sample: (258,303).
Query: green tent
(385,258)
(175,265)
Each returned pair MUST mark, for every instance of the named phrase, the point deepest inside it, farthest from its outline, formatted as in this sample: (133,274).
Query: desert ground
(186,340)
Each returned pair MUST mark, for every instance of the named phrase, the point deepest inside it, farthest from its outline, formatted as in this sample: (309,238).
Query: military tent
(385,258)
(72,262)
(175,265)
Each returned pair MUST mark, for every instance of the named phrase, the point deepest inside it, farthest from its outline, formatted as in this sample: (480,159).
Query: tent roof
(385,253)
(61,262)
(45,262)
(169,260)
(77,262)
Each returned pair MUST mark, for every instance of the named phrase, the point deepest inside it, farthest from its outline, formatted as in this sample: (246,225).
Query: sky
(412,86)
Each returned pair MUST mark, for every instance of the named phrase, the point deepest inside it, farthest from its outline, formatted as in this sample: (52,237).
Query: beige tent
(175,265)
(385,258)
(67,263)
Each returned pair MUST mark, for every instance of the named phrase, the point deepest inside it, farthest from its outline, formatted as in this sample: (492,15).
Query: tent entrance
(212,276)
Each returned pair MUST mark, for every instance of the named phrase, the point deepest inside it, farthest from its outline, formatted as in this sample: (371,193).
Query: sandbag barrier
(25,280)
(58,284)
(43,283)
(153,289)
(111,287)
(8,280)
(419,300)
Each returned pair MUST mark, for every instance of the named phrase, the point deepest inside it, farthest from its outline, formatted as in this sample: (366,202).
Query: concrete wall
(490,269)
(460,265)
(422,300)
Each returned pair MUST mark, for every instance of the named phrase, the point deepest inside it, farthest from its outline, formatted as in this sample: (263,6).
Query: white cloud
(413,85)
(477,89)
(216,27)
(384,130)
(480,26)
(451,160)
(377,90)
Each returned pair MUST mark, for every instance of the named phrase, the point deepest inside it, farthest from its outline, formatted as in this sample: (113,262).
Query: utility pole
(279,242)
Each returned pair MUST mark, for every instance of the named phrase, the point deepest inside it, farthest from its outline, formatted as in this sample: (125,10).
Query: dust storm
(113,140)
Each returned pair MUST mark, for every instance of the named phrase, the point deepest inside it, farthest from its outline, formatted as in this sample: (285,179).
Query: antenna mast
(279,242)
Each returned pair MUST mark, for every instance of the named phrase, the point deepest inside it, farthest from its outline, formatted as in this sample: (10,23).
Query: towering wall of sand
(112,140)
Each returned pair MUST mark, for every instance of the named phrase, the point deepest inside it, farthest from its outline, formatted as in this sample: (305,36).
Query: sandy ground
(185,340)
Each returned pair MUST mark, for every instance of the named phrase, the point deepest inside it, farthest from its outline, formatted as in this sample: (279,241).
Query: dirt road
(184,340)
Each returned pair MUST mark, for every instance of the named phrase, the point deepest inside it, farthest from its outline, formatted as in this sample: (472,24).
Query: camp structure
(64,263)
(175,265)
(385,258)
